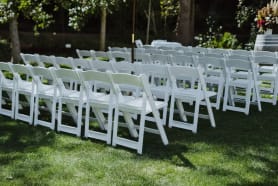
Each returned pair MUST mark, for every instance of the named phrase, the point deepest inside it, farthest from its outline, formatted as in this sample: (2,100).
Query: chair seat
(136,105)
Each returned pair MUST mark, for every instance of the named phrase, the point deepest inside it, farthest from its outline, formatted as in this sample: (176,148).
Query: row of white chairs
(216,75)
(156,86)
(50,85)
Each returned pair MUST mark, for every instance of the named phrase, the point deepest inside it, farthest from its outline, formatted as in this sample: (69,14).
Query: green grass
(241,150)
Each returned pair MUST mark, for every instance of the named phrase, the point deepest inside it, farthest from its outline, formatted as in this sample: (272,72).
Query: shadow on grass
(16,136)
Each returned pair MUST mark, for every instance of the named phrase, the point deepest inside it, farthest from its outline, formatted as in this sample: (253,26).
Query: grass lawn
(241,150)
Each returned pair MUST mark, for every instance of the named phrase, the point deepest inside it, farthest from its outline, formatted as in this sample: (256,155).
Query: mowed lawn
(241,150)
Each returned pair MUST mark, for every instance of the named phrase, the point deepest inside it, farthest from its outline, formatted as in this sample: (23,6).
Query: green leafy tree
(34,10)
(79,11)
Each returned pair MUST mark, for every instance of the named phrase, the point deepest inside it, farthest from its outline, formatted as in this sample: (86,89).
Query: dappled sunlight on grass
(241,150)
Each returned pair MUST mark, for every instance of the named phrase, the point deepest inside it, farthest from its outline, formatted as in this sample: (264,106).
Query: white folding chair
(72,99)
(188,86)
(240,82)
(267,77)
(25,91)
(7,90)
(100,102)
(45,97)
(214,74)
(159,82)
(142,105)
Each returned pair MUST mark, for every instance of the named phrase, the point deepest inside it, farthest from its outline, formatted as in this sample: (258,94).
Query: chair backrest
(91,77)
(143,58)
(83,53)
(266,60)
(264,53)
(240,52)
(64,62)
(102,66)
(118,49)
(6,72)
(31,59)
(186,77)
(100,55)
(122,79)
(234,66)
(47,61)
(23,72)
(139,43)
(213,66)
(123,67)
(183,60)
(63,77)
(156,74)
(84,64)
(119,56)
(43,76)
(162,59)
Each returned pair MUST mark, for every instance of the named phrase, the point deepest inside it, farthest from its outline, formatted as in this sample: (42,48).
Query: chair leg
(141,134)
(160,128)
(115,128)
(172,110)
(196,116)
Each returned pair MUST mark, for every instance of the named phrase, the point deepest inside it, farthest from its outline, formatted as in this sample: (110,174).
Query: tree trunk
(185,23)
(103,29)
(15,43)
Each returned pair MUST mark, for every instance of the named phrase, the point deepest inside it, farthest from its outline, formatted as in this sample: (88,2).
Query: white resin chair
(192,91)
(241,81)
(142,105)
(267,77)
(214,74)
(72,99)
(100,104)
(159,82)
(7,90)
(25,91)
(45,97)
